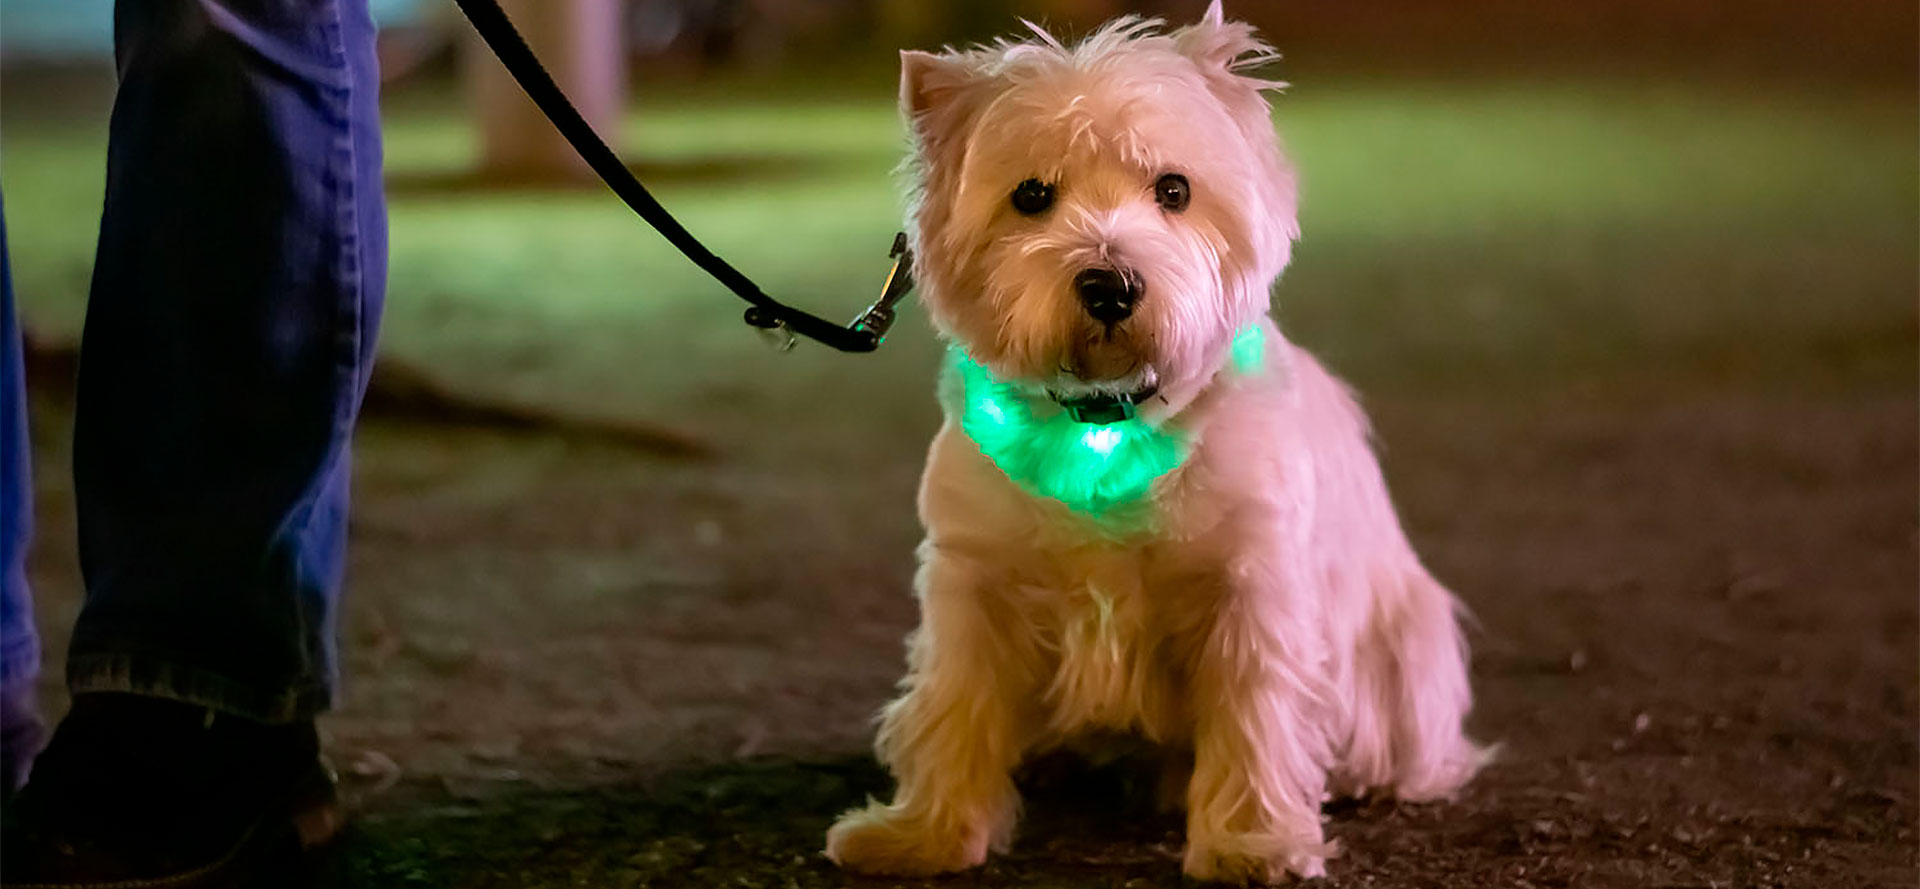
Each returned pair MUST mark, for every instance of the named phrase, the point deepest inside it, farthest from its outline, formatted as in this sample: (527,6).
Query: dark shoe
(149,793)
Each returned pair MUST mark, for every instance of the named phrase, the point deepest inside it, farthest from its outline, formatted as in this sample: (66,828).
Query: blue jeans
(230,329)
(20,731)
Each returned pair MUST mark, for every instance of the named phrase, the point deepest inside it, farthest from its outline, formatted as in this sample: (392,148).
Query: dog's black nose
(1107,295)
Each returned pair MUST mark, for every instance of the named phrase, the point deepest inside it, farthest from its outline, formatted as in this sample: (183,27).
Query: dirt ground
(578,665)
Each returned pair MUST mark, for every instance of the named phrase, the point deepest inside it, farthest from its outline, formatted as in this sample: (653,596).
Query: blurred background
(1629,287)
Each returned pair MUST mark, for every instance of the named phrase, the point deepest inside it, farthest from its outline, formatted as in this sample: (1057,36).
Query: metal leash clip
(869,329)
(878,318)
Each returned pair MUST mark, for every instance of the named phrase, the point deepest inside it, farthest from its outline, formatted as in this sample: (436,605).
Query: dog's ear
(1227,51)
(937,95)
(1227,54)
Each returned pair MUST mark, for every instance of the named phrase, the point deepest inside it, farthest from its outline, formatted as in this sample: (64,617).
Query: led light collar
(1096,455)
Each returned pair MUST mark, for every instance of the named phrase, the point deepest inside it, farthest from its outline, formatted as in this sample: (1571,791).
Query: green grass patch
(1464,225)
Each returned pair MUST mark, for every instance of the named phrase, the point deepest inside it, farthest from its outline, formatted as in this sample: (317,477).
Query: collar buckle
(1100,410)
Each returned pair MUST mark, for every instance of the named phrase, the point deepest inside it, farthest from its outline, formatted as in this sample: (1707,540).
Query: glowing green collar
(1098,470)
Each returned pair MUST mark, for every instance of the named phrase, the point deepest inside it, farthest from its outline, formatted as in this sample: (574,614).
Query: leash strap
(862,335)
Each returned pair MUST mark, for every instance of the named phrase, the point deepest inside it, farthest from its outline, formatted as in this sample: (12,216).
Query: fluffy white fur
(1270,627)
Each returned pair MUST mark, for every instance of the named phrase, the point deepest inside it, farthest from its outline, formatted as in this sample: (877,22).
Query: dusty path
(1697,602)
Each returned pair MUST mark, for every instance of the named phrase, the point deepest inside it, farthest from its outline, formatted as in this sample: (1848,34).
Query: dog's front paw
(1249,859)
(884,840)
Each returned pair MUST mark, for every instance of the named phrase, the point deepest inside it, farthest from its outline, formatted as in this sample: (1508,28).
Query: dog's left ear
(1226,51)
(937,96)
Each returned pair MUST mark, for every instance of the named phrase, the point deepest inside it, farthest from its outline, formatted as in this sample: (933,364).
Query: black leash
(863,334)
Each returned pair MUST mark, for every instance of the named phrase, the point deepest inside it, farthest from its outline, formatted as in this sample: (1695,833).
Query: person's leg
(21,730)
(229,335)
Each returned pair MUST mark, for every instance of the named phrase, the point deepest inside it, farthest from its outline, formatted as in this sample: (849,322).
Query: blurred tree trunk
(580,43)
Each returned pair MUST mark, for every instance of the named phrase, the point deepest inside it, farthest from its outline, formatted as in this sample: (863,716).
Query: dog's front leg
(952,739)
(1260,750)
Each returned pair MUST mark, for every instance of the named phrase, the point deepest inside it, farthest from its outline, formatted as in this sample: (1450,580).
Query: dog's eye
(1172,192)
(1032,197)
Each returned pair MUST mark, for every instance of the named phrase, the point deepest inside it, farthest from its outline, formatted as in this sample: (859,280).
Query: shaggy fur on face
(1259,615)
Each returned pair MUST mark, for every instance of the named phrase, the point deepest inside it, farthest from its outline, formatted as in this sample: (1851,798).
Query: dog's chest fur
(1111,648)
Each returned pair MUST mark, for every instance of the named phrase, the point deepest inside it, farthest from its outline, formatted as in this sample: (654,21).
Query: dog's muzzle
(1107,294)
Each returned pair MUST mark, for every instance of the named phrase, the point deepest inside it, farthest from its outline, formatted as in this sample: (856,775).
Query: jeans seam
(346,271)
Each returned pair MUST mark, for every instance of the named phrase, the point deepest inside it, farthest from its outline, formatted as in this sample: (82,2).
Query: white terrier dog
(1147,512)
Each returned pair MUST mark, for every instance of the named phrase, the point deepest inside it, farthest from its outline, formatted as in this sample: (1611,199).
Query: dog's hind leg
(1410,695)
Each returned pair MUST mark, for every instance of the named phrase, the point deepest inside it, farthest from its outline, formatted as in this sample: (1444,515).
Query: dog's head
(1100,218)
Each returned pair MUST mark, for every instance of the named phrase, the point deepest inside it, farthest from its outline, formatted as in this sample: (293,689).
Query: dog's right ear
(937,96)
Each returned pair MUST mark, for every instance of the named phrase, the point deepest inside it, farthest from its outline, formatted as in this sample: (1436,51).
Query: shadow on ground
(760,823)
(406,394)
(755,823)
